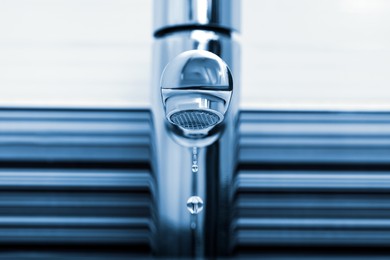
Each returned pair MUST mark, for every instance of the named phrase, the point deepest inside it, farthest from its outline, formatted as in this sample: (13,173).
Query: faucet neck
(216,15)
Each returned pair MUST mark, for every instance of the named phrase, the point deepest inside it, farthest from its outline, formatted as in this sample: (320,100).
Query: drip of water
(195,205)
(193,225)
(194,167)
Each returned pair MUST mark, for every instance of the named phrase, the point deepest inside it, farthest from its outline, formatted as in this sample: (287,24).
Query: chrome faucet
(196,88)
(195,103)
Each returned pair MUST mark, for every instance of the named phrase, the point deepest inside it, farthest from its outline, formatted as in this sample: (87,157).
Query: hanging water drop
(195,166)
(195,205)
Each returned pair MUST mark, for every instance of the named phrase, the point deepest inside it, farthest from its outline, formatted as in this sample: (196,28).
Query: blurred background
(76,143)
(295,54)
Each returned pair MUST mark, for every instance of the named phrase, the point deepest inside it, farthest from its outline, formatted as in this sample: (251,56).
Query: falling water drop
(195,205)
(193,225)
(194,168)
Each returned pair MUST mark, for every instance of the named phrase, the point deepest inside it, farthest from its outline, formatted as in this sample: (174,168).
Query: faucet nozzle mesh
(195,119)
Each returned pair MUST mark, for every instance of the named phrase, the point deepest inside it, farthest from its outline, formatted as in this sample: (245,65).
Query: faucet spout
(196,89)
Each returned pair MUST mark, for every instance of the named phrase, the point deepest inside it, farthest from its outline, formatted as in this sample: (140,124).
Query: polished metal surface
(197,68)
(222,14)
(207,233)
(196,88)
(174,158)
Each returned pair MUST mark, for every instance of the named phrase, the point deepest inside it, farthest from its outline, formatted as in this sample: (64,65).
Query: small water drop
(193,225)
(194,168)
(195,205)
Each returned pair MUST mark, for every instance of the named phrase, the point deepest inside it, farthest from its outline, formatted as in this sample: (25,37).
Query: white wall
(84,53)
(297,54)
(314,54)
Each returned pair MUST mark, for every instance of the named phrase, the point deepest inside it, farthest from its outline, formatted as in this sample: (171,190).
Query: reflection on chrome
(195,102)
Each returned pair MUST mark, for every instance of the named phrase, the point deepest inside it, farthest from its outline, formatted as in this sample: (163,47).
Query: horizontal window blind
(80,183)
(76,183)
(312,185)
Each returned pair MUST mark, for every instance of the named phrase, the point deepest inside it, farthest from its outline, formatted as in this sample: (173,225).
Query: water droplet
(194,168)
(194,205)
(193,225)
